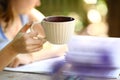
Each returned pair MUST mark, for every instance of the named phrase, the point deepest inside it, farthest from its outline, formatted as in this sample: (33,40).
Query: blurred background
(90,15)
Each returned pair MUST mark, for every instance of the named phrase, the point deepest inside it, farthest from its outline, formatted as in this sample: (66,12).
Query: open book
(48,66)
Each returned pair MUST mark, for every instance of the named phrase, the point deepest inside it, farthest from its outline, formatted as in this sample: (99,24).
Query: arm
(6,56)
(49,51)
(22,43)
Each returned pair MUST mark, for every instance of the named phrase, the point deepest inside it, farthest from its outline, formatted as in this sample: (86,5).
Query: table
(8,75)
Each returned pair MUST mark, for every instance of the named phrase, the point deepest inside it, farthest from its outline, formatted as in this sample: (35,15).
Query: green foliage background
(65,7)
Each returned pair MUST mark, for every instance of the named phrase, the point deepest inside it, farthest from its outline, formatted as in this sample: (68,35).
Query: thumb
(26,27)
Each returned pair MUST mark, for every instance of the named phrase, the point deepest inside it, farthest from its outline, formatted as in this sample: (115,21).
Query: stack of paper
(94,51)
(90,56)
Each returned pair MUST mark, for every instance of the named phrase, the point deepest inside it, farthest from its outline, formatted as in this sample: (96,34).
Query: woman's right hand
(25,42)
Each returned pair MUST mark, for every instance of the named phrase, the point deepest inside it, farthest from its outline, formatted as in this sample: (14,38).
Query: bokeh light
(90,1)
(94,16)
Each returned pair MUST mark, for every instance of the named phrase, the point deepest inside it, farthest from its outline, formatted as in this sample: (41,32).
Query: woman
(15,14)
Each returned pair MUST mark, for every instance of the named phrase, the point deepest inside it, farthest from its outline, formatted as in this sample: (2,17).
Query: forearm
(50,52)
(6,56)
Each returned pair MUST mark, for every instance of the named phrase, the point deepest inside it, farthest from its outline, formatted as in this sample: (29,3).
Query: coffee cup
(58,29)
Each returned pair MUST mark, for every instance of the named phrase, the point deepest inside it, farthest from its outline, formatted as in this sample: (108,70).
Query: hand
(21,59)
(25,42)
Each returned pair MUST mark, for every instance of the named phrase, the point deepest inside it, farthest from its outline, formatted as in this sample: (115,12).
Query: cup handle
(31,28)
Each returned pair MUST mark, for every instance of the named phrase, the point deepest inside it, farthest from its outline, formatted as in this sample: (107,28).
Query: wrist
(10,49)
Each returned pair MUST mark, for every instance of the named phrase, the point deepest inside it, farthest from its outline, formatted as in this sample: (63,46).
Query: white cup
(58,29)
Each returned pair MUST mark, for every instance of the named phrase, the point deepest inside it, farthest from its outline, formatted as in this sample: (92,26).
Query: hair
(6,12)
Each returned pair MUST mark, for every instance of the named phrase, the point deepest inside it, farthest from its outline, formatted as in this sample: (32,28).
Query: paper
(92,43)
(94,51)
(45,66)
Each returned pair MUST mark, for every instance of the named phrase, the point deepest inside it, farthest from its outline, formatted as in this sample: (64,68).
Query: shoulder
(35,15)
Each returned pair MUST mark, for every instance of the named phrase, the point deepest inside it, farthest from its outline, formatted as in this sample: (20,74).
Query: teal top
(3,39)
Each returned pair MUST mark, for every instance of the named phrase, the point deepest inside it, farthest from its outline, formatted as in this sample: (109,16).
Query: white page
(45,66)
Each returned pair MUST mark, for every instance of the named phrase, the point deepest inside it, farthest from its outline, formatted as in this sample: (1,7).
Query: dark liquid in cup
(58,19)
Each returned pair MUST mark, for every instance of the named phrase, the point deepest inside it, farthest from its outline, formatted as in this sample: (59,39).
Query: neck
(12,27)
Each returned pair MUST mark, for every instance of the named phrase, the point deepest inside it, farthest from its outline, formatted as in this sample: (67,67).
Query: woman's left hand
(21,59)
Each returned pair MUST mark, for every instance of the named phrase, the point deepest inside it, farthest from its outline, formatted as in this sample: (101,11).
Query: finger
(34,41)
(15,64)
(34,46)
(31,34)
(11,64)
(43,40)
(26,27)
(35,49)
(38,37)
(31,47)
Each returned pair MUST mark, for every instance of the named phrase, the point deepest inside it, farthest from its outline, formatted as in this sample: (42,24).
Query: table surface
(8,75)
